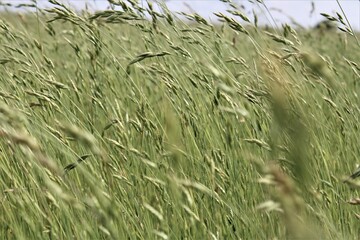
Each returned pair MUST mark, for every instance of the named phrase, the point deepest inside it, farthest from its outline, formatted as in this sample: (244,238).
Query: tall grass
(135,124)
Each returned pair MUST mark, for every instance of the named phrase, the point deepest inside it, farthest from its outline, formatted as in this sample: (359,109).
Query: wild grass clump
(131,123)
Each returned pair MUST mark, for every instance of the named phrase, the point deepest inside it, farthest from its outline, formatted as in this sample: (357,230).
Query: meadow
(136,124)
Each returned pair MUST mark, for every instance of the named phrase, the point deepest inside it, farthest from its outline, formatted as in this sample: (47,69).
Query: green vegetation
(114,126)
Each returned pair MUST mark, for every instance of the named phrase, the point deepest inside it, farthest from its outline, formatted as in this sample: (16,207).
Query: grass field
(116,126)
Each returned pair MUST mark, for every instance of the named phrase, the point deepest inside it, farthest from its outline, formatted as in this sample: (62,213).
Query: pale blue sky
(299,10)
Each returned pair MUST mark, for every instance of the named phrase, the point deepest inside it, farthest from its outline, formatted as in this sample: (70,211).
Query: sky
(281,10)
